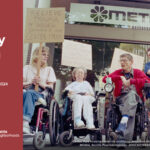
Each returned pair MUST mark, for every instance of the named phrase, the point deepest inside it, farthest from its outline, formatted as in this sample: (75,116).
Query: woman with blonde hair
(82,94)
(45,79)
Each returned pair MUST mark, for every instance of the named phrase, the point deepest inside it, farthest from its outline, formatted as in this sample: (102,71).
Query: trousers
(82,102)
(29,99)
(127,103)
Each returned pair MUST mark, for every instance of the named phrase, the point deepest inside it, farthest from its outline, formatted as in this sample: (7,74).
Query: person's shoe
(42,101)
(26,130)
(121,128)
(26,127)
(90,126)
(79,123)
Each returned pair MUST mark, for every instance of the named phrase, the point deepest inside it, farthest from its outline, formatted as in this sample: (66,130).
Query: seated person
(128,92)
(47,78)
(82,94)
(147,68)
(147,65)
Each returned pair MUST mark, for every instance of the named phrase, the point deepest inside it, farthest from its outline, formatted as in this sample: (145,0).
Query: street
(82,148)
(28,145)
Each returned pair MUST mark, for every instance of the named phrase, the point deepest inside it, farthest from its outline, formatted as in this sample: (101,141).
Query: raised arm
(115,76)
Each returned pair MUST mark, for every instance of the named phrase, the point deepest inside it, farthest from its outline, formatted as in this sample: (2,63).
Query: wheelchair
(70,134)
(113,116)
(45,120)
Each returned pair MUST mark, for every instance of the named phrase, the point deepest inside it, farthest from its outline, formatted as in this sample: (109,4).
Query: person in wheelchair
(82,94)
(147,65)
(128,83)
(46,78)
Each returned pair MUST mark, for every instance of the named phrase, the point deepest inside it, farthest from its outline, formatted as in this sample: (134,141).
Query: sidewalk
(29,140)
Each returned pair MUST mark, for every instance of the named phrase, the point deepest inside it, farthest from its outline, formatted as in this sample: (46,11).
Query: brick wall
(63,3)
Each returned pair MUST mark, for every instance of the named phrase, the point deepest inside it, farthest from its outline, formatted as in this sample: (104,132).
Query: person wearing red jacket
(128,83)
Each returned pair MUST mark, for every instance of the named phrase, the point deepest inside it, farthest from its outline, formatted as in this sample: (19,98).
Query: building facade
(110,24)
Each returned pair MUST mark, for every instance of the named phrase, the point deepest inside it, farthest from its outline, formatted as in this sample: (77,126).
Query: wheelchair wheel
(96,137)
(111,136)
(63,139)
(54,122)
(38,141)
(144,136)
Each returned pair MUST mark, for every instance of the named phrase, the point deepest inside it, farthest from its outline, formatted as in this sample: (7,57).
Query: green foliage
(62,72)
(131,47)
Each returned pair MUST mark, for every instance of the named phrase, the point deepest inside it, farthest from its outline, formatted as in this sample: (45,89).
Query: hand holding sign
(44,25)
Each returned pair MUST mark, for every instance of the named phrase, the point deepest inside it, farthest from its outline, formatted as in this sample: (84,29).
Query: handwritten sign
(44,25)
(76,54)
(138,61)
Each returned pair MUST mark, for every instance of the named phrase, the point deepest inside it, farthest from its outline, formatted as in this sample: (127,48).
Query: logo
(113,15)
(99,14)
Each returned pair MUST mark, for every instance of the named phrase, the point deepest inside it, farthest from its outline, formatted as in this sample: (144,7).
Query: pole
(39,65)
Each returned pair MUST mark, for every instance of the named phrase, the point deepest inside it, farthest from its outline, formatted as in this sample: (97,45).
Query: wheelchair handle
(100,93)
(50,90)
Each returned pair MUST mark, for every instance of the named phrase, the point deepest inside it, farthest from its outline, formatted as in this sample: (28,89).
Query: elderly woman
(46,78)
(82,94)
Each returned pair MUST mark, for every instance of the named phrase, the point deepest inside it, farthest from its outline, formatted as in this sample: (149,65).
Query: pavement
(28,145)
(82,148)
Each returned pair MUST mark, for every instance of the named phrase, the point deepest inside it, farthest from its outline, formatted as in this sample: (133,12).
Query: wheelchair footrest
(28,135)
(81,128)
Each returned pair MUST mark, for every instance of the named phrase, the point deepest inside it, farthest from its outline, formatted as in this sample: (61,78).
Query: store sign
(104,14)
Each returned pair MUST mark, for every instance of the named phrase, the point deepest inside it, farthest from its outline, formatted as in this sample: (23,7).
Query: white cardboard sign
(44,25)
(76,54)
(138,61)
